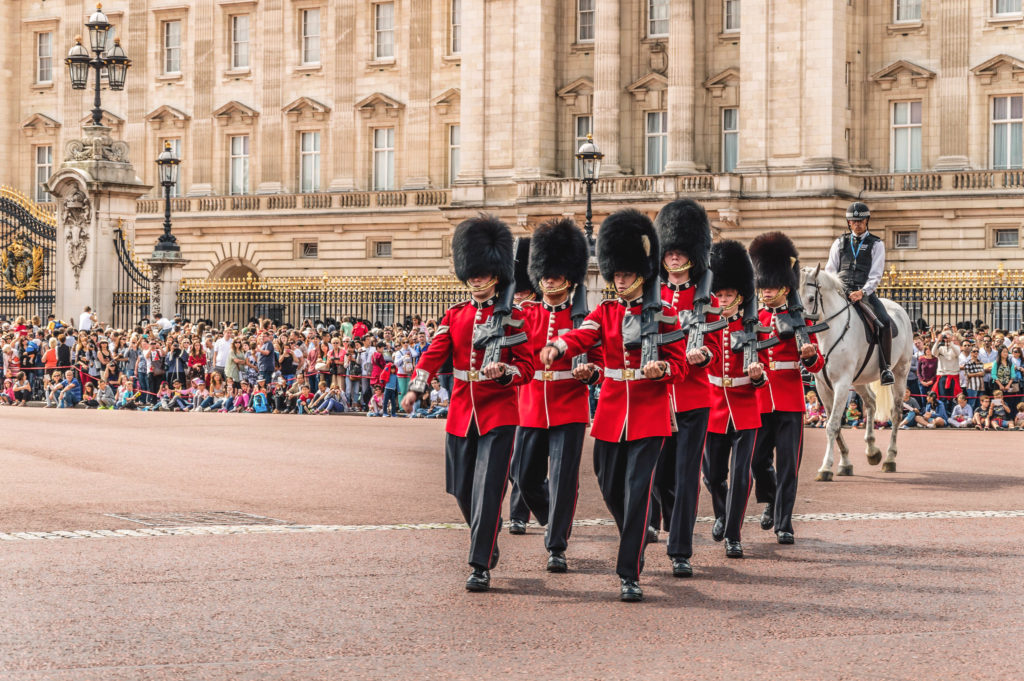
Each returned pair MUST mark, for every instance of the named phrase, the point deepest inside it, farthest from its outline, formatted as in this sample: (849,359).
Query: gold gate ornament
(21,269)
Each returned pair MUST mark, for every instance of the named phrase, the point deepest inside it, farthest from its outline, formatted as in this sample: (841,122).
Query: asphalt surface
(867,597)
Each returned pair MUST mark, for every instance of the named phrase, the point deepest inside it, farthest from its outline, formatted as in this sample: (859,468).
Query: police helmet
(858,211)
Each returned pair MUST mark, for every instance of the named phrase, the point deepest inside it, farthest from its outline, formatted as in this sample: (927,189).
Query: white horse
(847,365)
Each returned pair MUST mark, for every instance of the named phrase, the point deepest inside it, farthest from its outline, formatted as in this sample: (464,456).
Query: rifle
(578,313)
(646,331)
(745,341)
(694,322)
(491,334)
(793,323)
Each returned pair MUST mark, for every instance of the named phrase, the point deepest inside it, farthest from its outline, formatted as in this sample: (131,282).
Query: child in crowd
(7,394)
(981,413)
(934,415)
(243,398)
(89,395)
(962,415)
(376,404)
(815,412)
(1018,420)
(999,417)
(181,398)
(304,398)
(200,395)
(230,395)
(104,395)
(854,418)
(258,404)
(126,395)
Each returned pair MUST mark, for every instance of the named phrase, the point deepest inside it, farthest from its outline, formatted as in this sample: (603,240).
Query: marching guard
(554,409)
(490,358)
(684,233)
(642,356)
(525,298)
(735,414)
(777,268)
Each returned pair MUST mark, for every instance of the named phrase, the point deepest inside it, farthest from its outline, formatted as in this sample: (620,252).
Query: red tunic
(737,403)
(785,390)
(694,392)
(487,403)
(560,399)
(633,409)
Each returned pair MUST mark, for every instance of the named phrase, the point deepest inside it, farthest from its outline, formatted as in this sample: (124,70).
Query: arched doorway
(234,268)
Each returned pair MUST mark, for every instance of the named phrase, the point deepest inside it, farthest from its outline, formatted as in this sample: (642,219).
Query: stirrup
(886,377)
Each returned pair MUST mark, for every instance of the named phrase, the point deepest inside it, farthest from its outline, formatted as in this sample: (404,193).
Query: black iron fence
(27,257)
(995,297)
(132,287)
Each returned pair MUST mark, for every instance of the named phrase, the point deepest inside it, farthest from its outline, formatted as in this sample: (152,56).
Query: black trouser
(555,453)
(476,472)
(781,438)
(729,499)
(625,474)
(677,481)
(517,508)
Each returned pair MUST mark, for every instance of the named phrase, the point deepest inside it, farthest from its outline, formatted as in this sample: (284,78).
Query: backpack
(259,403)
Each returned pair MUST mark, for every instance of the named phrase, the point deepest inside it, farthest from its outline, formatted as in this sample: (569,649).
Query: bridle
(817,300)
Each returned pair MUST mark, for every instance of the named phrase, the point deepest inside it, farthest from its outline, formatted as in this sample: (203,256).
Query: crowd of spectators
(319,367)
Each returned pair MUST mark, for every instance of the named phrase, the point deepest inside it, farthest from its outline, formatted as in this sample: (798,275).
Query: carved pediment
(577,88)
(308,108)
(167,117)
(235,112)
(652,81)
(39,124)
(379,104)
(990,70)
(108,119)
(905,71)
(716,84)
(451,97)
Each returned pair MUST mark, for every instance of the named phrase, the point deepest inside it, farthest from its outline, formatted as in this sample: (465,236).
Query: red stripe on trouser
(647,514)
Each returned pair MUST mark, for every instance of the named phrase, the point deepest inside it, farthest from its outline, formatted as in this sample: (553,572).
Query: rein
(818,300)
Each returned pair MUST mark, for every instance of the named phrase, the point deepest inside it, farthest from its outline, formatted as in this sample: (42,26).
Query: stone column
(94,189)
(535,113)
(954,20)
(202,136)
(607,84)
(416,83)
(754,75)
(468,187)
(343,122)
(824,141)
(270,144)
(681,89)
(10,70)
(163,292)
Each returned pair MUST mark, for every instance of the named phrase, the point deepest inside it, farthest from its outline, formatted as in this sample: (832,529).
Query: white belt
(777,366)
(472,376)
(624,374)
(728,382)
(552,375)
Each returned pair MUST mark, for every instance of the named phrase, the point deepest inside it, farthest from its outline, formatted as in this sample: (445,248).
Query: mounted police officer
(858,259)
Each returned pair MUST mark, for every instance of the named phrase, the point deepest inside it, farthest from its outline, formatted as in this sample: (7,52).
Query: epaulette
(456,306)
(610,301)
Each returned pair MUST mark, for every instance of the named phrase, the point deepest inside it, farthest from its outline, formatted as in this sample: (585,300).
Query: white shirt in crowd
(85,321)
(439,396)
(222,350)
(164,323)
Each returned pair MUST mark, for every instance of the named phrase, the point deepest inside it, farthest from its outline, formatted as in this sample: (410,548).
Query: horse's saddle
(870,320)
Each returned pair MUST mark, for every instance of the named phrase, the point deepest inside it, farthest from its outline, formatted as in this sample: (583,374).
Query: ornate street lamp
(588,170)
(167,163)
(79,62)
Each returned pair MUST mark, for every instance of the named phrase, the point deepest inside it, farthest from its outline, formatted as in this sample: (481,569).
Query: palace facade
(350,136)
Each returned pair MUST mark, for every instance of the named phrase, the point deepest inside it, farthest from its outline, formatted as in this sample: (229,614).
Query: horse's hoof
(889,467)
(874,458)
(824,476)
(845,470)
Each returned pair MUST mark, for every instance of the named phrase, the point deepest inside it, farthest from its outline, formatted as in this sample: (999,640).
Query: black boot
(884,353)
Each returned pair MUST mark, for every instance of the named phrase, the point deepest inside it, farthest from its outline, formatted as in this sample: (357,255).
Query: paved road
(871,596)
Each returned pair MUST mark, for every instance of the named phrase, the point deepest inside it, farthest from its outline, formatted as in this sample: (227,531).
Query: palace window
(730,139)
(172,46)
(44,57)
(175,143)
(239,164)
(908,10)
(906,137)
(1005,238)
(731,16)
(456,27)
(381,249)
(43,168)
(384,30)
(585,21)
(1007,121)
(309,250)
(311,36)
(240,41)
(583,126)
(383,159)
(904,239)
(1006,7)
(454,152)
(657,142)
(657,18)
(309,162)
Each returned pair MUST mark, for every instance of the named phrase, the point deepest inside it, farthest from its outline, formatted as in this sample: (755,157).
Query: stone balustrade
(252,203)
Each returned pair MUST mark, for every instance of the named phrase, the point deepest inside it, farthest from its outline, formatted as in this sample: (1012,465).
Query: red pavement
(864,599)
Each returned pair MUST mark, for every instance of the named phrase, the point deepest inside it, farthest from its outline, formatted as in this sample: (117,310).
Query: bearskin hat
(483,246)
(522,264)
(683,225)
(776,261)
(732,268)
(559,248)
(627,242)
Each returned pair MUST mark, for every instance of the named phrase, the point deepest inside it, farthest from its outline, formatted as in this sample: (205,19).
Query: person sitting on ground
(911,410)
(22,390)
(981,413)
(1018,421)
(243,398)
(259,404)
(963,414)
(854,418)
(126,396)
(375,407)
(105,396)
(200,395)
(335,401)
(934,415)
(70,391)
(303,399)
(999,417)
(89,400)
(7,394)
(815,412)
(180,399)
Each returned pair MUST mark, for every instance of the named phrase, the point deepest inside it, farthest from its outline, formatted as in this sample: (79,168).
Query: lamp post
(588,169)
(115,61)
(167,163)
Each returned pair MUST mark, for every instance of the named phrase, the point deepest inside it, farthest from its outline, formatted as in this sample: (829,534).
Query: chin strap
(483,287)
(636,284)
(679,269)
